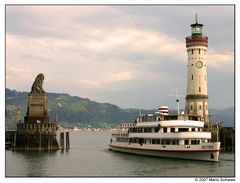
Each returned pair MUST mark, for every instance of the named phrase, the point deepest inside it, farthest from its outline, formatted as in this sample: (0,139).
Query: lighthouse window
(192,76)
(192,51)
(199,51)
(191,107)
(200,107)
(199,89)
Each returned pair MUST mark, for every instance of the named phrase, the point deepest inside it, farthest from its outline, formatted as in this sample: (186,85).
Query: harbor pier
(226,135)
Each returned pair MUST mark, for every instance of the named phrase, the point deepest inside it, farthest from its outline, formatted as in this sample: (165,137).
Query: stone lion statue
(37,85)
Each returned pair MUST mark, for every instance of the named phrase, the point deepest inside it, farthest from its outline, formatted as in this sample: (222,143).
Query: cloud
(104,50)
(17,70)
(111,52)
(18,76)
(221,60)
(106,80)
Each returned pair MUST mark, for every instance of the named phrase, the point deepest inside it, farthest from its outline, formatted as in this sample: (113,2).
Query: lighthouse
(197,95)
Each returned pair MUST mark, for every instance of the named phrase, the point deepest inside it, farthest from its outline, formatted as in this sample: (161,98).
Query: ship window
(141,141)
(175,141)
(147,130)
(182,129)
(192,51)
(157,129)
(172,117)
(155,141)
(195,142)
(133,130)
(193,129)
(186,142)
(164,130)
(135,140)
(163,141)
(168,141)
(199,51)
(172,129)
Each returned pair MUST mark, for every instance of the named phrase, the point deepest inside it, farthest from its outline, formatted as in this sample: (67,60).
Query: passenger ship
(166,135)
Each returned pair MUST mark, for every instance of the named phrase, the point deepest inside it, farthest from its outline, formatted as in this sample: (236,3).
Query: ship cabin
(160,117)
(164,129)
(159,123)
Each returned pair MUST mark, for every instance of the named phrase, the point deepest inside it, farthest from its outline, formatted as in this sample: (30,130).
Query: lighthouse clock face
(199,64)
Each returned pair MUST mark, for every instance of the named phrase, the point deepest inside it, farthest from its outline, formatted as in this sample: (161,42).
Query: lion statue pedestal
(37,103)
(36,133)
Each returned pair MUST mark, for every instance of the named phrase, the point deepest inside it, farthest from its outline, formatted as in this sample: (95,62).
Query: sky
(133,56)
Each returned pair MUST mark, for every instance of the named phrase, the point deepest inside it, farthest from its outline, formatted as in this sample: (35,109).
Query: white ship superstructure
(172,136)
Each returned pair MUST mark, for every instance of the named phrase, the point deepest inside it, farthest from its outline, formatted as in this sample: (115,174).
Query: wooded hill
(74,111)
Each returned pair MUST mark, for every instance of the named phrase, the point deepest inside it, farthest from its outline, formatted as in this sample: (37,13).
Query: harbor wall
(226,135)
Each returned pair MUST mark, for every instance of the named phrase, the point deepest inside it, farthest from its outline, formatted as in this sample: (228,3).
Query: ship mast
(177,98)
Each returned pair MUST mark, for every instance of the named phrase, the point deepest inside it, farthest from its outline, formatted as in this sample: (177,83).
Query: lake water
(89,156)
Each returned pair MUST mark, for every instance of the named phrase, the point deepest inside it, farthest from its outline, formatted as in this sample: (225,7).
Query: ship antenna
(196,18)
(140,113)
(177,98)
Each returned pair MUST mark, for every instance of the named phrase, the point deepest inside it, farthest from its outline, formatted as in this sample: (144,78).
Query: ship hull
(203,155)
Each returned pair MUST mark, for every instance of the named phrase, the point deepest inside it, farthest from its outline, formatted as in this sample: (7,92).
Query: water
(89,156)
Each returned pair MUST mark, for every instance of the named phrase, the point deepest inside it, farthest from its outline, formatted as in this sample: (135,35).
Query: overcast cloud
(131,56)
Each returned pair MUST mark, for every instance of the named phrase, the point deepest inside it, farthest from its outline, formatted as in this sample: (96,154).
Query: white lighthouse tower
(197,95)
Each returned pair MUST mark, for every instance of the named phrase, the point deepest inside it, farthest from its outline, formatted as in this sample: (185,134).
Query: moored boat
(166,135)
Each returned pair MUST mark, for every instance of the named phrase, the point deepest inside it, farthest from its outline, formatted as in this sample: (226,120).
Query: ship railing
(120,133)
(127,125)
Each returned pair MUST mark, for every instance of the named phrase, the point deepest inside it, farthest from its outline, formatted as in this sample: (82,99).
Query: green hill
(74,111)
